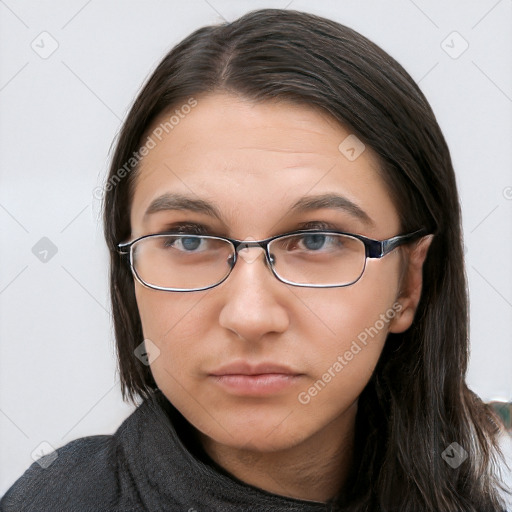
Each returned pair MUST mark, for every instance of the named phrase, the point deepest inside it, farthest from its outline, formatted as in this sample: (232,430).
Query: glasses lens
(188,262)
(182,261)
(319,258)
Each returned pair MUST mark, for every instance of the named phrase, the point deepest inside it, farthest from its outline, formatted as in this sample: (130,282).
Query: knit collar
(170,474)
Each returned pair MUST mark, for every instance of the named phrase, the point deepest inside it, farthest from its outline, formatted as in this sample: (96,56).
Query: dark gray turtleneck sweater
(151,463)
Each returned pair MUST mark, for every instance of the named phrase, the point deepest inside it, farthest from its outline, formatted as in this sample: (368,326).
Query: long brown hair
(417,402)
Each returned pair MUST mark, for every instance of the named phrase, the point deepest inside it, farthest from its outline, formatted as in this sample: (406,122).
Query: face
(253,162)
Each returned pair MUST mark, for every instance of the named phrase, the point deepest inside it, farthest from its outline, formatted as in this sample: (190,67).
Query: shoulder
(505,441)
(82,473)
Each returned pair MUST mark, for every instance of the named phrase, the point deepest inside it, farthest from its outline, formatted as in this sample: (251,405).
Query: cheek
(166,313)
(349,327)
(350,330)
(177,324)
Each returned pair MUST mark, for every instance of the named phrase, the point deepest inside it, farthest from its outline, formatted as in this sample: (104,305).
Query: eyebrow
(332,201)
(175,201)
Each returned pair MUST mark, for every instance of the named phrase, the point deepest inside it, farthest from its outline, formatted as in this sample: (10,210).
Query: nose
(254,303)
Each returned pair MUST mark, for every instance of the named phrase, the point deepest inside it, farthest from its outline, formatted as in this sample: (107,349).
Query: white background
(58,118)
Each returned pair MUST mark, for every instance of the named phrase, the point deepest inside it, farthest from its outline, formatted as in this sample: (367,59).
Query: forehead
(227,124)
(251,157)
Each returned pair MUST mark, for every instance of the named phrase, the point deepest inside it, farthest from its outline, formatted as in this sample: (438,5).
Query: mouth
(244,379)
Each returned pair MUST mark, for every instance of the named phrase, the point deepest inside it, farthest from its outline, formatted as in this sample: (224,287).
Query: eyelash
(189,227)
(316,224)
(200,229)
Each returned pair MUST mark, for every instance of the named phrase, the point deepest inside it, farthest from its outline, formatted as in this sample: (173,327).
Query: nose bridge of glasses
(251,256)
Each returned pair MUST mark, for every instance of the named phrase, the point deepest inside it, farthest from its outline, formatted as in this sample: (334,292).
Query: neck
(314,470)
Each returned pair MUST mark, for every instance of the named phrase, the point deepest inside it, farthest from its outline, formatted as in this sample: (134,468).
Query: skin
(254,161)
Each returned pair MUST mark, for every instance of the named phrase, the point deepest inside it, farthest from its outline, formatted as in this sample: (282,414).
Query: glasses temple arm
(380,249)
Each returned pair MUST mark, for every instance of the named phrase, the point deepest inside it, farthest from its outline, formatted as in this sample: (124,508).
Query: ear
(411,284)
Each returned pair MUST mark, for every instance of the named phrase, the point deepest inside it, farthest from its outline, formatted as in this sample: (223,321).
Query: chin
(262,432)
(258,441)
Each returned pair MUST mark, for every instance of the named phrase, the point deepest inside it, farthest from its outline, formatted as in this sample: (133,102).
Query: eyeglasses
(312,258)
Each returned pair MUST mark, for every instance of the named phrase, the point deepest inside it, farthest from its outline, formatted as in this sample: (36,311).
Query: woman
(288,290)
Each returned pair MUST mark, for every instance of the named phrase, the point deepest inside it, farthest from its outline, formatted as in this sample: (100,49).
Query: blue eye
(316,241)
(190,244)
(184,244)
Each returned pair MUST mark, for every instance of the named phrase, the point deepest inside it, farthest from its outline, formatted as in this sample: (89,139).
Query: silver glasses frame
(374,249)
